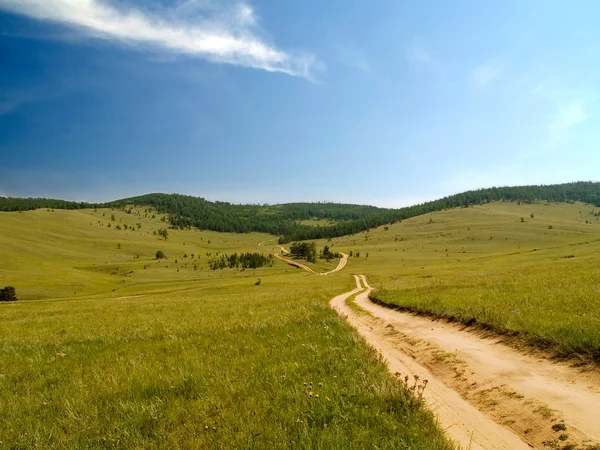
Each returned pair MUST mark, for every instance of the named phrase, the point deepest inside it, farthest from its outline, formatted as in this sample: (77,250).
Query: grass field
(109,348)
(317,222)
(65,254)
(495,265)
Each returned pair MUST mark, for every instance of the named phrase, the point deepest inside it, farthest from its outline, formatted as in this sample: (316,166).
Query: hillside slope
(285,220)
(530,271)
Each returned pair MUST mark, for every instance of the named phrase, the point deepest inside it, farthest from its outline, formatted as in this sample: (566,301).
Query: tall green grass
(170,357)
(538,279)
(219,368)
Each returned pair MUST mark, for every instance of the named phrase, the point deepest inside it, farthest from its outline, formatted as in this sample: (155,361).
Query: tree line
(283,220)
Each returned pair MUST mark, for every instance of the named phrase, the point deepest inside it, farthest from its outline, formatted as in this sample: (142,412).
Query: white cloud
(224,35)
(485,74)
(418,54)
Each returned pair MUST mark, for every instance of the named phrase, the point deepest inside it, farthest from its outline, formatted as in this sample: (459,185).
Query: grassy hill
(106,349)
(531,271)
(110,347)
(65,253)
(288,221)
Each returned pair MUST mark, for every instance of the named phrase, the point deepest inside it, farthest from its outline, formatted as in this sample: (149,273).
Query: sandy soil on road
(485,394)
(340,266)
(291,262)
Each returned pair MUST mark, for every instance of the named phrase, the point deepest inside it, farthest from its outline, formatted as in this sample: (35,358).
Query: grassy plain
(110,348)
(495,265)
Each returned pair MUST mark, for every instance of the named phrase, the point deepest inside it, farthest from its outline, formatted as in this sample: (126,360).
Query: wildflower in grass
(310,394)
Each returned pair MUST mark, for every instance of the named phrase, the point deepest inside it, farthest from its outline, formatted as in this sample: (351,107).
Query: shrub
(8,294)
(160,254)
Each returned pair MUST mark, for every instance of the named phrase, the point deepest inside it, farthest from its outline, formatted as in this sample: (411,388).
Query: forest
(283,220)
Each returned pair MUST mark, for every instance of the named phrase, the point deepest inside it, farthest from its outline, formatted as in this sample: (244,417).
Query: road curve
(463,423)
(291,262)
(545,403)
(340,266)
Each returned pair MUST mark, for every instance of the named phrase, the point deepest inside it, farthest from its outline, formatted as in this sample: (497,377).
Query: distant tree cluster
(304,250)
(27,204)
(8,294)
(244,260)
(327,254)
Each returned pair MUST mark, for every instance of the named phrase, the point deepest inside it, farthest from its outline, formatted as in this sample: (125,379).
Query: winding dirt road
(485,394)
(291,262)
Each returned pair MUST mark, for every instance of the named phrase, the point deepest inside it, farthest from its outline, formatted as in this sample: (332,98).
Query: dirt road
(291,262)
(485,394)
(340,266)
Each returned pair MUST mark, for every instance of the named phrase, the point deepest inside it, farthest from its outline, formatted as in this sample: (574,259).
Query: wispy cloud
(486,74)
(417,54)
(217,34)
(566,117)
(569,115)
(352,57)
(564,107)
(52,88)
(12,100)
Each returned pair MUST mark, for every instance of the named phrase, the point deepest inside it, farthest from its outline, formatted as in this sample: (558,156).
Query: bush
(160,254)
(8,294)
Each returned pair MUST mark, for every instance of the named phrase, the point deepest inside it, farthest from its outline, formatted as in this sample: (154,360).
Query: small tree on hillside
(160,254)
(162,232)
(8,294)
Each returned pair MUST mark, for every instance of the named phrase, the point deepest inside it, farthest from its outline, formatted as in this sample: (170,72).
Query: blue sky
(388,103)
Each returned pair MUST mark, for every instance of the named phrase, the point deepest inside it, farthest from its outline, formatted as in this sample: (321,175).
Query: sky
(389,103)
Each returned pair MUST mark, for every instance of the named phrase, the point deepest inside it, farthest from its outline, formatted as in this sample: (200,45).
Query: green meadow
(530,271)
(109,347)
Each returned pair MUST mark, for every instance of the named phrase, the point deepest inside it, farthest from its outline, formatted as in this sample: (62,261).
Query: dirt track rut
(340,266)
(484,393)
